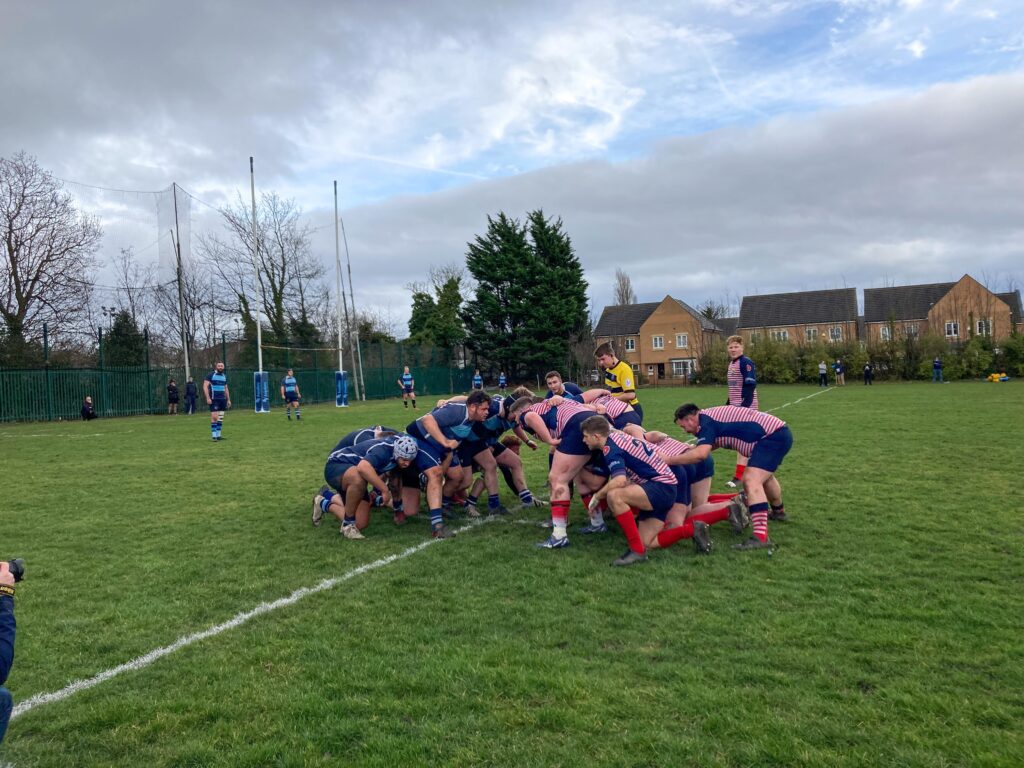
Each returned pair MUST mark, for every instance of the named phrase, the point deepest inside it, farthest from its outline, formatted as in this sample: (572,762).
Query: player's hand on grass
(594,502)
(386,499)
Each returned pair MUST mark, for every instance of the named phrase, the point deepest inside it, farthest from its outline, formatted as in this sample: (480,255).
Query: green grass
(886,629)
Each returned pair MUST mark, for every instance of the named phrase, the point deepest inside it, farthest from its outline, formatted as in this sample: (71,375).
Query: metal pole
(351,295)
(340,286)
(149,381)
(46,362)
(256,269)
(181,300)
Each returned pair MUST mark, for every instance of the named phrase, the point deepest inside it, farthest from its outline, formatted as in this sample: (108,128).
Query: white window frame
(635,367)
(657,342)
(910,330)
(954,326)
(631,345)
(682,341)
(782,335)
(885,333)
(984,326)
(811,334)
(835,333)
(681,368)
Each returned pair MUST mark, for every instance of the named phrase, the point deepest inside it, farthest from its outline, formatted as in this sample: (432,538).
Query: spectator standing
(172,397)
(88,412)
(822,374)
(869,374)
(840,370)
(190,396)
(937,370)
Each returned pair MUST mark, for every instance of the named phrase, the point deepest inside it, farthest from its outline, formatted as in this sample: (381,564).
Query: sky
(712,149)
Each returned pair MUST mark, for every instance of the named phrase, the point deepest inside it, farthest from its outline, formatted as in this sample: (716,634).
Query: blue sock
(347,521)
(472,500)
(526,497)
(436,519)
(446,502)
(493,501)
(328,495)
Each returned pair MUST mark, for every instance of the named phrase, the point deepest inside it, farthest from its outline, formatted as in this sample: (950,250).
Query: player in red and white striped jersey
(741,378)
(621,414)
(762,438)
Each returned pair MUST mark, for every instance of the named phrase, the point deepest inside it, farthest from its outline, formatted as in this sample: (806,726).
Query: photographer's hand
(6,577)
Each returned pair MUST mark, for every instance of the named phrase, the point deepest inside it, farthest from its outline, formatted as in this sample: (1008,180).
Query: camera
(17,568)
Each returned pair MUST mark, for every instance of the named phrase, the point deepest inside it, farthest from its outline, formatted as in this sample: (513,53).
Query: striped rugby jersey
(741,370)
(637,459)
(736,428)
(613,408)
(556,418)
(669,446)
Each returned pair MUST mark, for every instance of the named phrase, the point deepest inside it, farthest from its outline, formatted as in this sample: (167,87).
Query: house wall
(798,333)
(966,303)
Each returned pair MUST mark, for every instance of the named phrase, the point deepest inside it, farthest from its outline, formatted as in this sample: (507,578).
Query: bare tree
(285,270)
(135,285)
(49,250)
(624,293)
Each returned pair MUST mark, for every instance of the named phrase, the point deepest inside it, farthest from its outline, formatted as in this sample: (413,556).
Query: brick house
(660,340)
(956,311)
(806,316)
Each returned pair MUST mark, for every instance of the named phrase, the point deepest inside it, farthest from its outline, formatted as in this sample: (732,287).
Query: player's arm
(206,391)
(749,382)
(227,395)
(432,428)
(453,399)
(401,384)
(369,474)
(615,481)
(536,423)
(519,432)
(693,456)
(282,391)
(593,394)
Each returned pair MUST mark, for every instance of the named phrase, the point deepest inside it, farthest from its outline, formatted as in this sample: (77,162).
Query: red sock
(715,516)
(585,498)
(627,523)
(713,497)
(668,537)
(739,471)
(759,520)
(560,512)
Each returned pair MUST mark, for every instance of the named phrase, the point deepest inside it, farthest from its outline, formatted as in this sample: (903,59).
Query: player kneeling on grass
(763,438)
(639,483)
(350,469)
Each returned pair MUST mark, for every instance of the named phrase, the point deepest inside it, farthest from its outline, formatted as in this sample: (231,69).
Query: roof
(728,325)
(779,309)
(705,323)
(1013,299)
(624,319)
(902,302)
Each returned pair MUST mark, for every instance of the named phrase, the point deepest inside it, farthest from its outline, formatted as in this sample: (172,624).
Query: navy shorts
(639,411)
(291,397)
(333,473)
(683,488)
(466,451)
(407,390)
(218,404)
(770,451)
(572,437)
(627,418)
(701,471)
(662,496)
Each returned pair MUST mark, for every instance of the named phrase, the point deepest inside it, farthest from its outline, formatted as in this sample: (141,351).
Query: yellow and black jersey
(619,378)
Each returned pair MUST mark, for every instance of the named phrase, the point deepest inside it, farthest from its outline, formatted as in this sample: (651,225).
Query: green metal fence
(50,394)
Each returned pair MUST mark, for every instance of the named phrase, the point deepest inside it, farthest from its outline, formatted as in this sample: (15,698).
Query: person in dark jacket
(191,392)
(88,412)
(172,397)
(7,627)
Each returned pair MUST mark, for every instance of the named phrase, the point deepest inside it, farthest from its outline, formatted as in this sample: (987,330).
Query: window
(635,367)
(953,330)
(659,342)
(630,345)
(780,335)
(681,369)
(910,330)
(835,333)
(755,335)
(811,334)
(985,326)
(682,341)
(886,333)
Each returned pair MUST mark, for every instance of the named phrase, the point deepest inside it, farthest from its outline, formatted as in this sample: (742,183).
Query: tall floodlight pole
(181,300)
(337,274)
(351,295)
(256,269)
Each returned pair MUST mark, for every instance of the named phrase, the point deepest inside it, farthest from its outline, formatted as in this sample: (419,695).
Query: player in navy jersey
(408,386)
(218,397)
(291,395)
(502,382)
(485,452)
(348,471)
(762,438)
(639,482)
(478,380)
(566,389)
(741,378)
(438,434)
(367,433)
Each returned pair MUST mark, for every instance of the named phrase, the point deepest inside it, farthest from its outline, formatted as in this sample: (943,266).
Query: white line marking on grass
(144,661)
(65,434)
(800,400)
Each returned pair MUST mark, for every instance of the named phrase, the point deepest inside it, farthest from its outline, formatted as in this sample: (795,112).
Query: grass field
(887,629)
